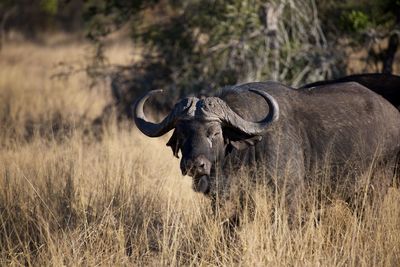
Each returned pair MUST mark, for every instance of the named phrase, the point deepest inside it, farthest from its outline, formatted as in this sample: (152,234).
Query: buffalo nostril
(200,164)
(197,166)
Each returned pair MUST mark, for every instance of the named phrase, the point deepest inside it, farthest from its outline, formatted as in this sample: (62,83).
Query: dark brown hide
(386,85)
(343,126)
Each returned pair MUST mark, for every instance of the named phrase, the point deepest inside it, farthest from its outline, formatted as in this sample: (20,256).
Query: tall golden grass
(121,200)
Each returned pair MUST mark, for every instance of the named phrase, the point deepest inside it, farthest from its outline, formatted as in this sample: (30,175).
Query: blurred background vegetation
(80,188)
(198,46)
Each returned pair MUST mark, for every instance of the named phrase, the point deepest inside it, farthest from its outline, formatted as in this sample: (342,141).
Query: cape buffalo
(386,85)
(287,132)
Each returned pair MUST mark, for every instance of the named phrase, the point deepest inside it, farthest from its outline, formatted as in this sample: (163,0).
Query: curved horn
(168,123)
(144,125)
(254,128)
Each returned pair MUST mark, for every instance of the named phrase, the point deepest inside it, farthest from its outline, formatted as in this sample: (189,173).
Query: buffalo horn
(183,108)
(255,128)
(149,128)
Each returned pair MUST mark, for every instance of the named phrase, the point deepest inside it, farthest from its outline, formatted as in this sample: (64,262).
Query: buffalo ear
(173,143)
(244,143)
(238,140)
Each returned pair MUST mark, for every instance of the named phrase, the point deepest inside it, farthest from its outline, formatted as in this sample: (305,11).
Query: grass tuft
(68,198)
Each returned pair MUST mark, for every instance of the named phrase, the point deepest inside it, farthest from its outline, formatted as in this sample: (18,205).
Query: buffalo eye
(215,134)
(212,133)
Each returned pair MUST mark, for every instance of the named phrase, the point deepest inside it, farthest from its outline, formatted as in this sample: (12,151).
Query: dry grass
(122,201)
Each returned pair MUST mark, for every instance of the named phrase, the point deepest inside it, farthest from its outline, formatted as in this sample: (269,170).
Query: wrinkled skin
(200,161)
(197,161)
(340,125)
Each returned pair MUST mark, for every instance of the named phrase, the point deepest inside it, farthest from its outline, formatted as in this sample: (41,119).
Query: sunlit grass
(121,200)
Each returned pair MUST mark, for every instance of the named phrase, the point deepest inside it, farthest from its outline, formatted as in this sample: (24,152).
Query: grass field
(68,198)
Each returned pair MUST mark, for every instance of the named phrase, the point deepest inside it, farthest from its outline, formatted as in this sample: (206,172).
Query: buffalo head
(206,130)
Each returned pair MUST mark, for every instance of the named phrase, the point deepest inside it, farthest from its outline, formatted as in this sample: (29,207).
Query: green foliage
(355,21)
(358,16)
(49,6)
(202,45)
(103,17)
(208,44)
(36,16)
(6,3)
